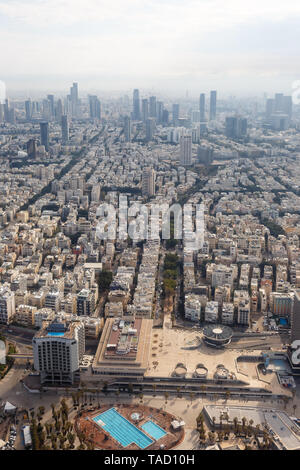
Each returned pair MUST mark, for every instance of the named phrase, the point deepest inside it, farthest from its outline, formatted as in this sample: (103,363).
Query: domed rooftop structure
(217,335)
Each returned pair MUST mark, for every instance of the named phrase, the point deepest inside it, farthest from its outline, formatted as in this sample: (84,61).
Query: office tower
(50,98)
(287,107)
(152,106)
(195,116)
(59,110)
(202,107)
(213,106)
(186,150)
(205,154)
(28,110)
(44,128)
(74,92)
(1,113)
(6,111)
(175,112)
(58,349)
(148,182)
(243,127)
(95,107)
(46,110)
(165,116)
(278,102)
(85,302)
(11,116)
(74,99)
(7,304)
(231,127)
(150,129)
(270,108)
(64,129)
(145,110)
(159,111)
(127,129)
(31,148)
(136,105)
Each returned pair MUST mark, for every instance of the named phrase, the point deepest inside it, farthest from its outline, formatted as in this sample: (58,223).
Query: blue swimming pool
(53,333)
(153,430)
(121,429)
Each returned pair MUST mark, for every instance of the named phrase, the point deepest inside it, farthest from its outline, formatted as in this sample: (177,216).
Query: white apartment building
(227,313)
(211,312)
(192,307)
(7,304)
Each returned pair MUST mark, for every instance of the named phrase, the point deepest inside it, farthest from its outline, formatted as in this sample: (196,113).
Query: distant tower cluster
(236,127)
(279,111)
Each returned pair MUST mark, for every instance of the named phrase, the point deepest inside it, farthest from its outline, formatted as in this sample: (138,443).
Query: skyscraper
(50,98)
(186,150)
(202,107)
(236,127)
(28,110)
(150,129)
(95,107)
(59,110)
(152,106)
(65,129)
(165,116)
(6,111)
(127,129)
(205,154)
(148,182)
(278,102)
(31,148)
(213,106)
(159,111)
(44,128)
(270,107)
(175,112)
(145,110)
(74,99)
(136,114)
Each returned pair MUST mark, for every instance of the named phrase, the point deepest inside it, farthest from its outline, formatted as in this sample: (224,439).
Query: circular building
(217,336)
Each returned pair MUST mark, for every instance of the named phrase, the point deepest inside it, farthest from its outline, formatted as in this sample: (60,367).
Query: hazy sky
(232,45)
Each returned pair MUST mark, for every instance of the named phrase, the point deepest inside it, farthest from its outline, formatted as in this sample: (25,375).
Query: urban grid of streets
(244,274)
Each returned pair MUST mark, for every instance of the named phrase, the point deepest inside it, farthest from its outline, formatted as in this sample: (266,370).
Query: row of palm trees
(55,434)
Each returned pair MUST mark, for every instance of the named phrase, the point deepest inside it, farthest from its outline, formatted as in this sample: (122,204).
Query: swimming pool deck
(102,439)
(122,430)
